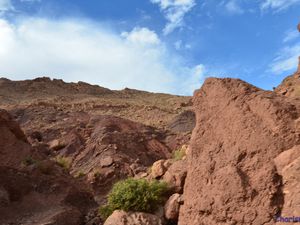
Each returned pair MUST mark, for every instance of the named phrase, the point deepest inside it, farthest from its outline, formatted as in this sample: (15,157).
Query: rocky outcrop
(184,122)
(132,218)
(13,144)
(117,148)
(232,175)
(33,189)
(290,86)
(175,175)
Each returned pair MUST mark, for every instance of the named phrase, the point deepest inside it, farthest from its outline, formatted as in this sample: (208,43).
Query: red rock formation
(232,177)
(34,190)
(117,148)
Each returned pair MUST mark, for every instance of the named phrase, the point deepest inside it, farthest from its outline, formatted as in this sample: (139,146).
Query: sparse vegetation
(29,161)
(135,195)
(179,153)
(64,162)
(80,174)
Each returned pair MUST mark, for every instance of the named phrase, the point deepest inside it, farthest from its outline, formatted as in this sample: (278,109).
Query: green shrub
(63,162)
(135,195)
(179,153)
(105,211)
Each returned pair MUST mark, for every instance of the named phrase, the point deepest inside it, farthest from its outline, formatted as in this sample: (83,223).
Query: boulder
(56,144)
(232,177)
(175,175)
(158,169)
(132,218)
(172,207)
(106,161)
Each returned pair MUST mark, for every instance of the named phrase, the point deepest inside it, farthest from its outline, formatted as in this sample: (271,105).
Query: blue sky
(156,45)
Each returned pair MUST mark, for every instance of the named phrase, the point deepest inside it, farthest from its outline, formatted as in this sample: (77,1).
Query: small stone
(106,161)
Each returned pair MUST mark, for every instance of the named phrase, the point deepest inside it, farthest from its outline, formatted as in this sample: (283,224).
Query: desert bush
(63,162)
(179,153)
(135,195)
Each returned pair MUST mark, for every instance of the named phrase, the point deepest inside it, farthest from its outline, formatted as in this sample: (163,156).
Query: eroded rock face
(232,177)
(132,218)
(118,148)
(288,166)
(184,122)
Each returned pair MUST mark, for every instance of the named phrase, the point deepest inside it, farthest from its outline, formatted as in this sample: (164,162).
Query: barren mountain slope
(104,135)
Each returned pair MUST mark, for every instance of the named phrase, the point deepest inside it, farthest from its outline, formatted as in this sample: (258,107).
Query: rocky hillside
(57,96)
(87,136)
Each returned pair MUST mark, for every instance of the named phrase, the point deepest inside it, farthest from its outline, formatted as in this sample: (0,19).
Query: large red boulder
(232,176)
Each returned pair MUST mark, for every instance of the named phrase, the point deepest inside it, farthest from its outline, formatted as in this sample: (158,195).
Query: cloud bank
(83,50)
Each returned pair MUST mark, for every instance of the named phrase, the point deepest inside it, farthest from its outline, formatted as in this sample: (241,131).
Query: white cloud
(278,5)
(5,5)
(196,78)
(141,36)
(233,7)
(179,45)
(287,59)
(290,35)
(174,11)
(79,50)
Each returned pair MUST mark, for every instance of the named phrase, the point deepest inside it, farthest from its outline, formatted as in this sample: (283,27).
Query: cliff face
(241,157)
